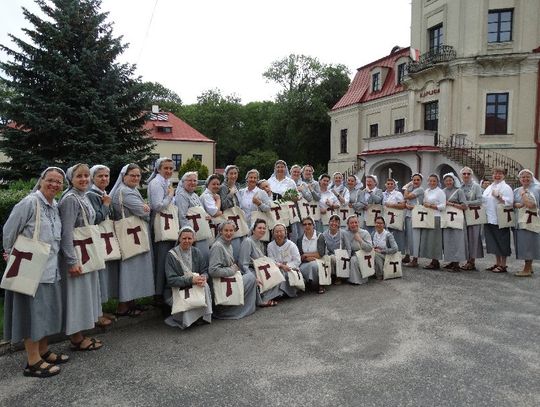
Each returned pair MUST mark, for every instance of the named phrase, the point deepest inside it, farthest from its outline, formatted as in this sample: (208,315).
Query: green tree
(262,160)
(194,165)
(72,101)
(219,118)
(157,94)
(300,128)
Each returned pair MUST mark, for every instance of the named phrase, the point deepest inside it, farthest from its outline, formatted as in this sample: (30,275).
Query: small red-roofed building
(178,140)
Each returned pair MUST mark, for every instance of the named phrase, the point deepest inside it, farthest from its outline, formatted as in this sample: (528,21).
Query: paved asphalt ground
(432,338)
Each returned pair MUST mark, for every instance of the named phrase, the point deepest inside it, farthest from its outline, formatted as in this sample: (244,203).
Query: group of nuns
(70,301)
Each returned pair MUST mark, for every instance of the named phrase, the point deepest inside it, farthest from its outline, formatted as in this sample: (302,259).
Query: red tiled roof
(399,150)
(359,90)
(181,131)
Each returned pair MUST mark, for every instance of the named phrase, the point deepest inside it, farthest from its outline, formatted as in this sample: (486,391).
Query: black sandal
(321,290)
(55,358)
(94,345)
(38,370)
(130,312)
(270,303)
(491,268)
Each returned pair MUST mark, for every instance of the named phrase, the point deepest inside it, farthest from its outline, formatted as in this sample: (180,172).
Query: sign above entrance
(430,92)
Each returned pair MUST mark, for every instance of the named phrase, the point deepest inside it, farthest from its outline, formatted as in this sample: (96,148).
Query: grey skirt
(527,244)
(33,318)
(497,240)
(430,244)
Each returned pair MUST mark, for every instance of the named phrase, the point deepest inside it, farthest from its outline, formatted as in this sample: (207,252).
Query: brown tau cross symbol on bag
(84,252)
(531,214)
(452,214)
(345,261)
(475,209)
(135,232)
(325,267)
(306,205)
(19,257)
(394,263)
(107,238)
(235,219)
(392,216)
(167,217)
(276,210)
(368,258)
(422,214)
(508,212)
(193,218)
(265,268)
(229,281)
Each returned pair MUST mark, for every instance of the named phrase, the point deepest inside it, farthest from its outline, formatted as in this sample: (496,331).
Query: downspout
(537,120)
(418,162)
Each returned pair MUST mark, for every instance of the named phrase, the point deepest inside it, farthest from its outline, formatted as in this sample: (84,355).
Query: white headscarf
(120,180)
(69,177)
(157,164)
(457,184)
(45,171)
(287,173)
(94,169)
(227,169)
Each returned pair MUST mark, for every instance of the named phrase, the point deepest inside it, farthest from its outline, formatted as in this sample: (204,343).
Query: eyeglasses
(466,173)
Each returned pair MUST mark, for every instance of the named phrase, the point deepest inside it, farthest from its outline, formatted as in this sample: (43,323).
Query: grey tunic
(185,200)
(108,278)
(159,200)
(310,270)
(389,247)
(221,261)
(526,243)
(473,196)
(40,316)
(81,294)
(352,246)
(315,191)
(176,277)
(431,242)
(136,277)
(253,249)
(412,236)
(286,253)
(455,240)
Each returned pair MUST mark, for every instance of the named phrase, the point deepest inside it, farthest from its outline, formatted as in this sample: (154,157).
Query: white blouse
(437,197)
(491,202)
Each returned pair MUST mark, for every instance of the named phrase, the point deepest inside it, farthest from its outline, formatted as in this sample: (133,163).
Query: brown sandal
(55,358)
(94,345)
(41,369)
(499,269)
(270,303)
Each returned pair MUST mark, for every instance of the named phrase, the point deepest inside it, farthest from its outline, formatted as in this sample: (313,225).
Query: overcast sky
(192,46)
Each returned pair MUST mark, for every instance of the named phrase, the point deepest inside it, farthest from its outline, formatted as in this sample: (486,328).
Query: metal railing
(443,53)
(481,159)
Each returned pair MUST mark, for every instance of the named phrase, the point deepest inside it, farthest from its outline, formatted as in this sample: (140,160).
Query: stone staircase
(480,159)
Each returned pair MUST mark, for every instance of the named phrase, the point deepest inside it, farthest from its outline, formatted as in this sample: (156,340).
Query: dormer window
(376,82)
(164,129)
(401,71)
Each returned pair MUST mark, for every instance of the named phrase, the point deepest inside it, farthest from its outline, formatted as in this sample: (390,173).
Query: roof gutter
(537,120)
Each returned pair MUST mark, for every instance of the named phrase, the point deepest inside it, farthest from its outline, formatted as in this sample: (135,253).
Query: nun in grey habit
(354,239)
(81,293)
(186,198)
(473,197)
(102,204)
(222,264)
(454,240)
(28,318)
(230,197)
(182,260)
(136,278)
(160,196)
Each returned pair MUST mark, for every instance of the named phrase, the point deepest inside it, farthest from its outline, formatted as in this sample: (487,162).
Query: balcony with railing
(443,53)
(411,139)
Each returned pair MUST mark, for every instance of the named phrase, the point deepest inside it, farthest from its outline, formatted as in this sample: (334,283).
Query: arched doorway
(445,169)
(398,171)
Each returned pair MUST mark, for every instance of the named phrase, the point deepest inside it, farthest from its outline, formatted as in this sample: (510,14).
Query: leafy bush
(262,160)
(194,165)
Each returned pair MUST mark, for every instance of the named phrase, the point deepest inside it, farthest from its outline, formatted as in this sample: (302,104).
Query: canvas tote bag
(394,218)
(343,263)
(325,270)
(110,240)
(475,215)
(505,217)
(228,290)
(392,266)
(166,224)
(366,261)
(237,216)
(267,272)
(529,220)
(196,215)
(88,244)
(372,211)
(27,261)
(422,217)
(296,279)
(310,209)
(132,233)
(187,298)
(452,218)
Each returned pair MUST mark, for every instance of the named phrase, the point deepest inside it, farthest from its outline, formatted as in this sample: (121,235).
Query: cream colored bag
(528,219)
(452,218)
(268,218)
(110,241)
(27,261)
(296,279)
(394,218)
(325,270)
(279,213)
(267,272)
(132,233)
(366,261)
(237,216)
(196,215)
(422,217)
(392,266)
(505,217)
(229,290)
(372,211)
(475,215)
(88,244)
(166,224)
(344,212)
(187,298)
(343,263)
(325,217)
(310,209)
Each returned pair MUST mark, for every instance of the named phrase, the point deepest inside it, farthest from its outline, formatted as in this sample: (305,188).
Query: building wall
(187,149)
